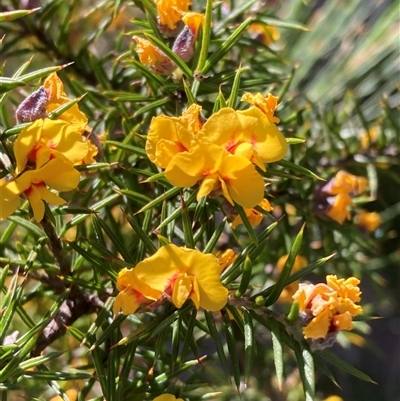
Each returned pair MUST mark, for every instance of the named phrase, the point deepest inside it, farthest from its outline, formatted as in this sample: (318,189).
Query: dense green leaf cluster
(334,70)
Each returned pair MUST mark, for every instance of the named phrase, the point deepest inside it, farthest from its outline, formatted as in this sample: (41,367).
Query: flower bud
(33,107)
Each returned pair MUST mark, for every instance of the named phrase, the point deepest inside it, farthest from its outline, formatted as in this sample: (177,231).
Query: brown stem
(56,247)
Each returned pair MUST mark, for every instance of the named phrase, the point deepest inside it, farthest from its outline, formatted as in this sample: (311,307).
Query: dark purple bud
(184,44)
(33,107)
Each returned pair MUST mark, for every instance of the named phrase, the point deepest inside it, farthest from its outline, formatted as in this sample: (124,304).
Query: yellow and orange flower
(248,133)
(218,172)
(267,104)
(169,136)
(57,173)
(368,221)
(254,216)
(57,97)
(263,33)
(226,258)
(170,11)
(133,292)
(153,57)
(174,272)
(339,191)
(47,139)
(328,308)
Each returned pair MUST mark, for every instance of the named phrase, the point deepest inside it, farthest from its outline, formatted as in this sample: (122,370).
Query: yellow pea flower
(368,221)
(184,273)
(57,174)
(338,194)
(248,133)
(226,258)
(167,397)
(132,291)
(235,177)
(267,104)
(328,307)
(339,207)
(46,139)
(346,183)
(170,11)
(169,136)
(57,97)
(153,57)
(263,33)
(254,216)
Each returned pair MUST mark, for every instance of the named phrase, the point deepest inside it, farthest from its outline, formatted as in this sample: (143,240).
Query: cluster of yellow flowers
(220,154)
(328,308)
(46,151)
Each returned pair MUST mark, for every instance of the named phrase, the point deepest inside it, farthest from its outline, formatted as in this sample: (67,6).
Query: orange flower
(219,172)
(254,216)
(338,194)
(368,221)
(226,258)
(153,57)
(57,97)
(248,133)
(176,272)
(267,104)
(169,136)
(46,139)
(133,292)
(329,307)
(170,11)
(57,173)
(264,33)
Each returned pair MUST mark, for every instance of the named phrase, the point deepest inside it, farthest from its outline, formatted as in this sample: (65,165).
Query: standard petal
(160,269)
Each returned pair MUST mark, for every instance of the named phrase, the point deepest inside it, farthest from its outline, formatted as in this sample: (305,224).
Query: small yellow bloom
(235,177)
(368,221)
(169,136)
(171,11)
(339,207)
(264,33)
(133,292)
(254,216)
(248,133)
(289,290)
(267,104)
(153,57)
(46,139)
(346,183)
(57,174)
(193,21)
(184,273)
(57,97)
(226,258)
(339,191)
(167,397)
(329,307)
